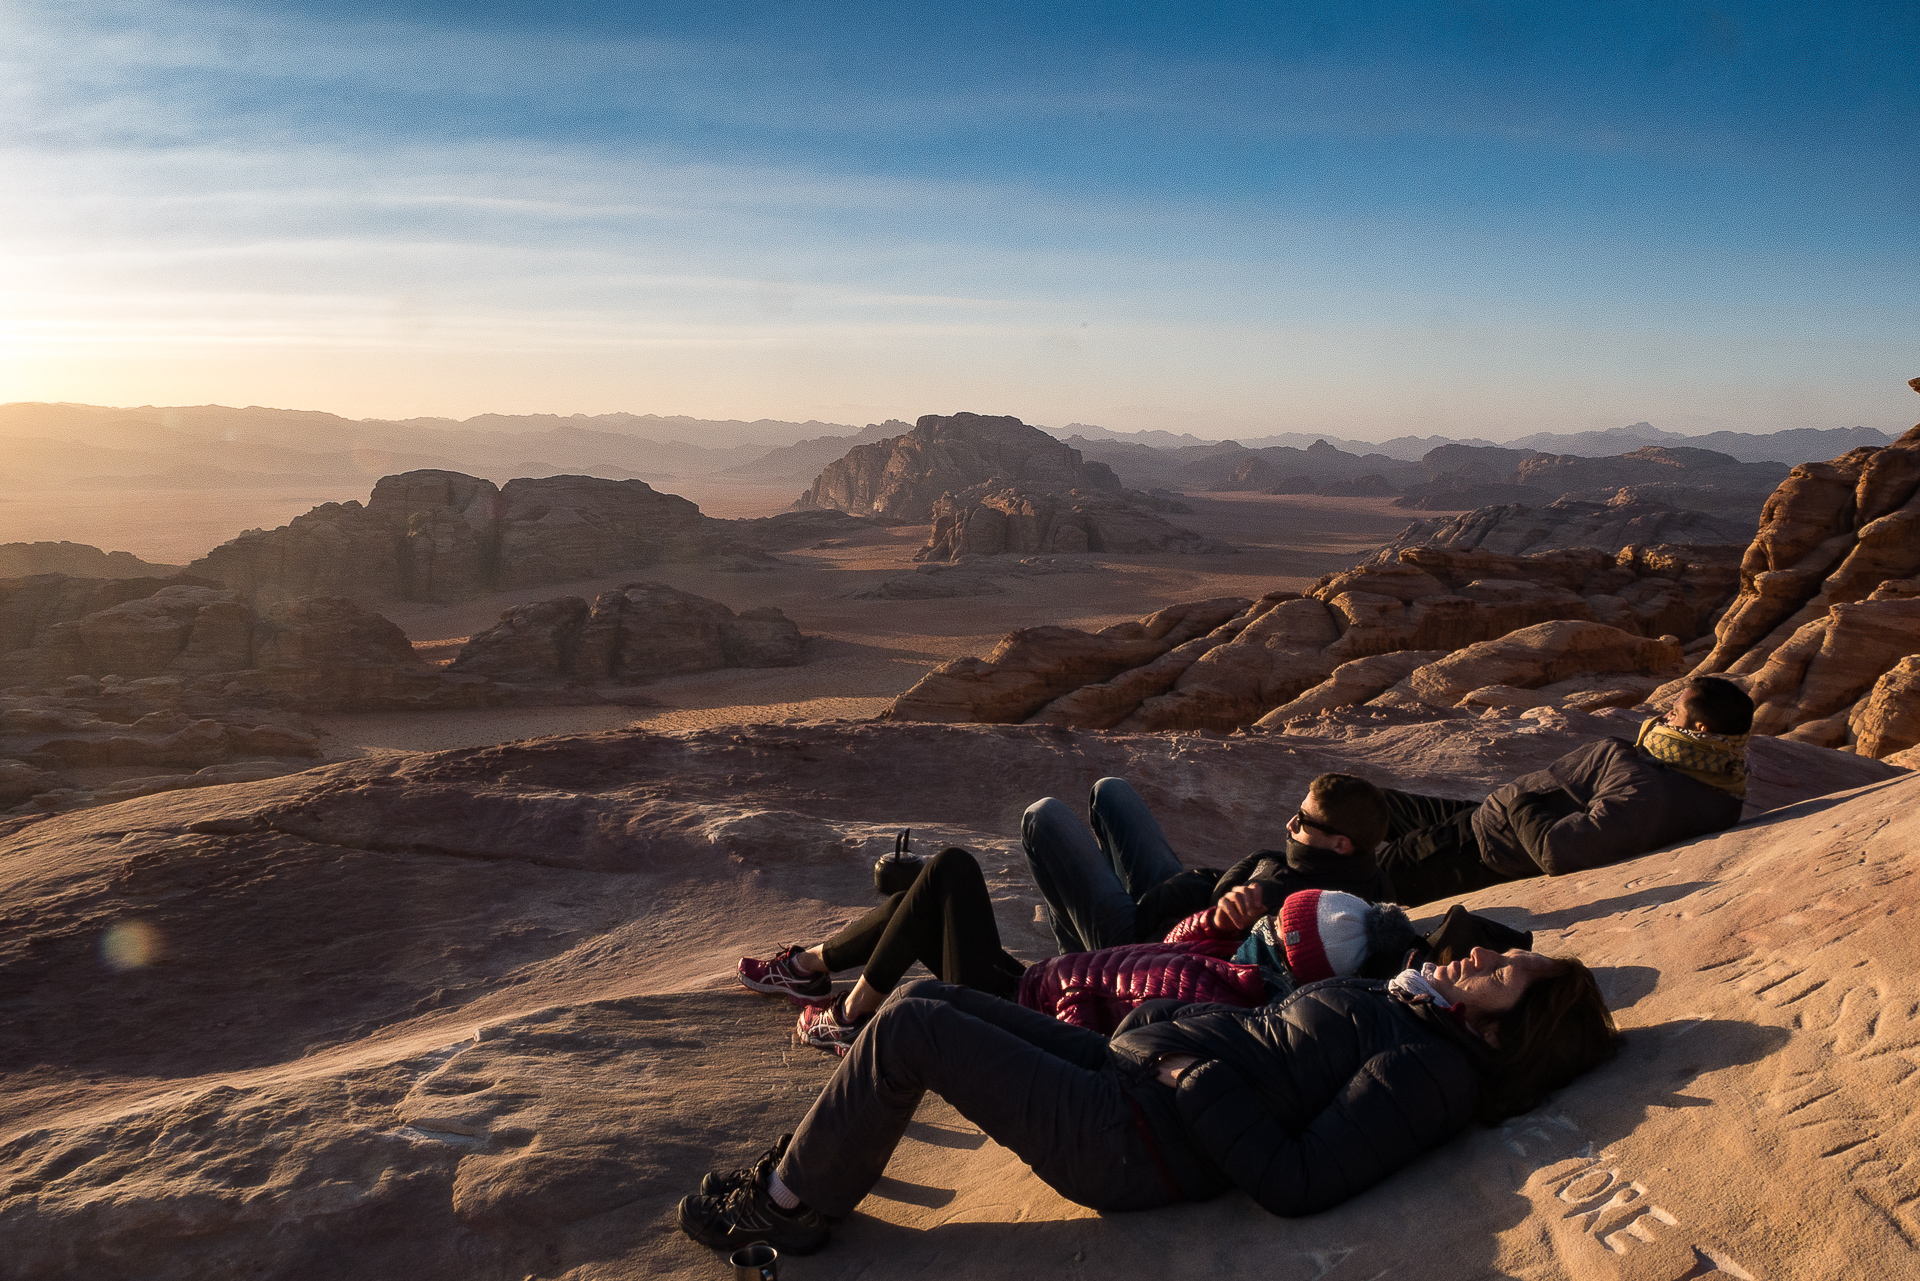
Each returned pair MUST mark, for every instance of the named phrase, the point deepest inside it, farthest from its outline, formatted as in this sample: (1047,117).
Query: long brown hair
(1559,1028)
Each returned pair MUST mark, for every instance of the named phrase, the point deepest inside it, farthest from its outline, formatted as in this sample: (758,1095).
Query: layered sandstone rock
(463,1016)
(1829,601)
(443,536)
(1517,528)
(1024,520)
(901,479)
(80,560)
(1287,646)
(1034,665)
(633,633)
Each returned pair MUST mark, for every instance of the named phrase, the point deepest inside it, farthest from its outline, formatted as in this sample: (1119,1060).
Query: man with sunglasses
(1115,879)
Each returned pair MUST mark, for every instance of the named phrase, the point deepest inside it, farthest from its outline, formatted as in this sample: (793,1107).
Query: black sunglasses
(1300,817)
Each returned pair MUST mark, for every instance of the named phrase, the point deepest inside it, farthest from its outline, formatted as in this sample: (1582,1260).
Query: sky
(1362,219)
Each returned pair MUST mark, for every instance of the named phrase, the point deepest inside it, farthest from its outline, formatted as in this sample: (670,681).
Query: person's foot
(829,1027)
(718,1183)
(781,975)
(748,1214)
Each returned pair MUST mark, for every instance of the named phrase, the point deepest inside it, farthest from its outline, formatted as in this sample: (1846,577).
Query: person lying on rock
(1301,1104)
(1115,879)
(1682,777)
(1234,953)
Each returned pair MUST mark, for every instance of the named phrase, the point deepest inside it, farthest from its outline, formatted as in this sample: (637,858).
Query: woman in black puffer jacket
(1301,1104)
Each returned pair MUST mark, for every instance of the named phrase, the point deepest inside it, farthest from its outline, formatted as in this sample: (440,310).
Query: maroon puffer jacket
(1096,989)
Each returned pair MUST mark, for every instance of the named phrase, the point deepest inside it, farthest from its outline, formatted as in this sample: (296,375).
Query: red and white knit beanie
(1324,932)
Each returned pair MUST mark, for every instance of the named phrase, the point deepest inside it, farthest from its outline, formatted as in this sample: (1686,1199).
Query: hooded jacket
(1307,1102)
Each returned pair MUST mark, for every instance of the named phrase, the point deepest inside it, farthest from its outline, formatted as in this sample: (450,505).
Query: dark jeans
(1044,1090)
(1430,851)
(944,921)
(1092,877)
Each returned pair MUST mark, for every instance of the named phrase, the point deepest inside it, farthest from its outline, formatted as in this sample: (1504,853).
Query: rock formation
(1023,520)
(464,1016)
(1829,603)
(633,633)
(443,536)
(178,673)
(1241,664)
(901,479)
(80,560)
(1465,476)
(970,576)
(1516,529)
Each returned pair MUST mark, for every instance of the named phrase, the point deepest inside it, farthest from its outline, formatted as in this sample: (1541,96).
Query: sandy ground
(865,652)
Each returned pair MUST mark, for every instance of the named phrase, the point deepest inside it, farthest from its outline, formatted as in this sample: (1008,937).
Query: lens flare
(130,945)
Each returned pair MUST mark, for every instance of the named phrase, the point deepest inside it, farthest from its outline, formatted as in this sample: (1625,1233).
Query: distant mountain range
(213,446)
(1799,445)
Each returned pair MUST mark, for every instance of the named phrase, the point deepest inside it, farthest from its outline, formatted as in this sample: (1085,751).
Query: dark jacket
(1602,804)
(1308,1102)
(1178,897)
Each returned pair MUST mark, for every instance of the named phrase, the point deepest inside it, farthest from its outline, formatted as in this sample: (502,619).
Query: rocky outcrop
(633,633)
(970,576)
(1516,529)
(1464,476)
(188,675)
(1829,601)
(1021,520)
(78,560)
(443,536)
(1610,611)
(901,479)
(1035,665)
(435,1016)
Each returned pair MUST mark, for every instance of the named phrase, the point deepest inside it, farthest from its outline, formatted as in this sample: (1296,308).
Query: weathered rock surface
(444,536)
(1035,665)
(1829,601)
(468,1016)
(901,479)
(1282,647)
(1024,520)
(633,633)
(1518,529)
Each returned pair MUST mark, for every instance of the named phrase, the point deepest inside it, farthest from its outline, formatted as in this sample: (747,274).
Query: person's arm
(1562,835)
(1397,1105)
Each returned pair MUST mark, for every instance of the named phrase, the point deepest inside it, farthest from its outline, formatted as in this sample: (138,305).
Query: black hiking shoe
(718,1183)
(748,1214)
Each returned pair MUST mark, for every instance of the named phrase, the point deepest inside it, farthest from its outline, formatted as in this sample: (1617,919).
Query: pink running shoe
(780,976)
(827,1027)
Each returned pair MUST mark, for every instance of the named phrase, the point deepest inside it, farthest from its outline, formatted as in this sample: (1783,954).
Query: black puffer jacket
(1308,1102)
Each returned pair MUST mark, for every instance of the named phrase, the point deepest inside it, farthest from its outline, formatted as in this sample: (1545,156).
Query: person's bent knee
(1047,812)
(951,862)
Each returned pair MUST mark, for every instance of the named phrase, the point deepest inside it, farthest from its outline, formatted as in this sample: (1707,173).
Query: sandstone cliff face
(453,1018)
(901,479)
(1625,617)
(635,632)
(443,536)
(1022,520)
(1829,602)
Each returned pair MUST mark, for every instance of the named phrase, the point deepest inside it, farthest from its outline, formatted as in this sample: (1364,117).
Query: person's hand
(1240,908)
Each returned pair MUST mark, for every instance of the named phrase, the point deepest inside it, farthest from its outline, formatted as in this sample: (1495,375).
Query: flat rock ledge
(468,1015)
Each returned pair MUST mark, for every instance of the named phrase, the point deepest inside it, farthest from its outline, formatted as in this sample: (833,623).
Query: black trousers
(1430,851)
(944,921)
(1046,1091)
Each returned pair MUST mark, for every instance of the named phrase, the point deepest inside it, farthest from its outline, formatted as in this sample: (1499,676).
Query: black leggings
(944,920)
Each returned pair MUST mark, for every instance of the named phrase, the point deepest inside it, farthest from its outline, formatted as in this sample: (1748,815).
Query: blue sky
(1368,220)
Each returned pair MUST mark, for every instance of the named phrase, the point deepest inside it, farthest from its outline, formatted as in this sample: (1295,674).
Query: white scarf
(1415,987)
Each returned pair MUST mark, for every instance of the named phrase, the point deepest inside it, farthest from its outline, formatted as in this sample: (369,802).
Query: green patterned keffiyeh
(1718,760)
